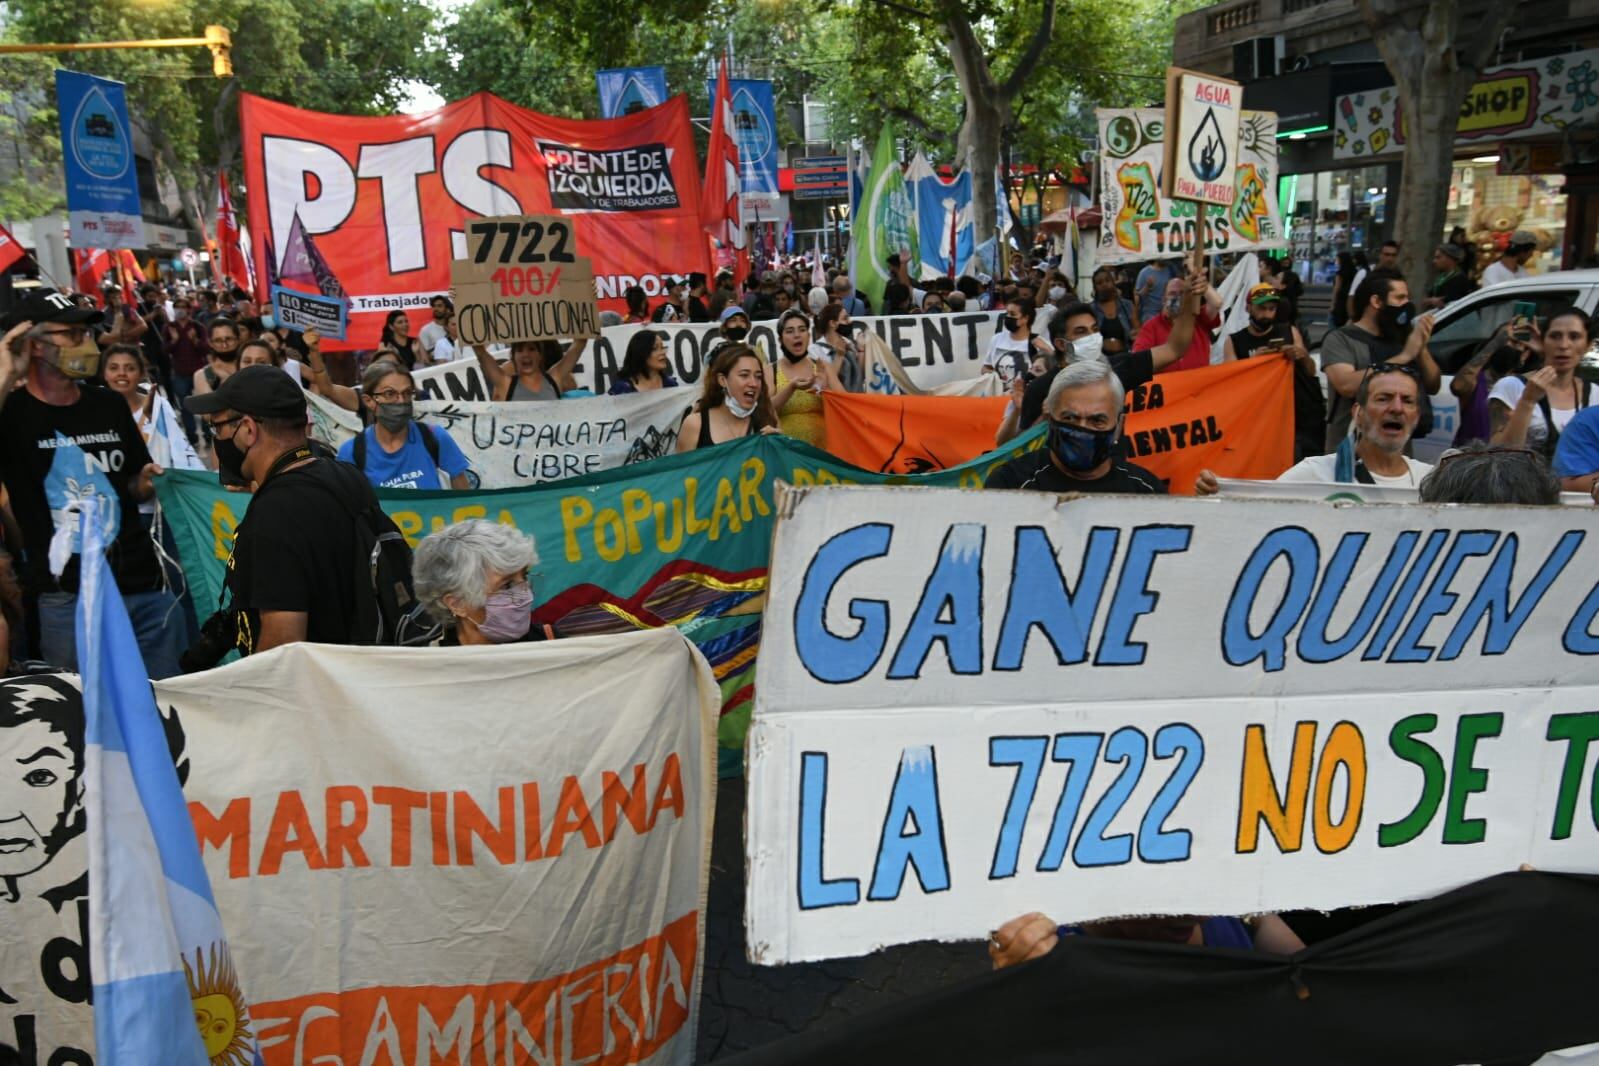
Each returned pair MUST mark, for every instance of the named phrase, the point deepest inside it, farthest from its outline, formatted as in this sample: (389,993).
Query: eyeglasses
(210,428)
(73,334)
(391,396)
(1454,453)
(1076,421)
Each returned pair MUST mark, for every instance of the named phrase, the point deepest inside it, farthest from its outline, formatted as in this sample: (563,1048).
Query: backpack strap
(359,451)
(430,441)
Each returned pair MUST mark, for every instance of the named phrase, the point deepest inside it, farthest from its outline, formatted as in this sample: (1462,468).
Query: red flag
(92,264)
(233,268)
(10,250)
(720,209)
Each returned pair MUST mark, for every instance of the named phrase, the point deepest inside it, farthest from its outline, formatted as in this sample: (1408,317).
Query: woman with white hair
(473,577)
(817,299)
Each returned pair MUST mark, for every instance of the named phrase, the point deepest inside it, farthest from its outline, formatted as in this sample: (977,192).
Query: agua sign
(985,706)
(1202,115)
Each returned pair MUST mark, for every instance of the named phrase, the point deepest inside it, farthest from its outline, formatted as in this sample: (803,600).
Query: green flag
(886,225)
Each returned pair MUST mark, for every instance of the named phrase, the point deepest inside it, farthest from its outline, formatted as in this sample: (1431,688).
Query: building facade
(1526,150)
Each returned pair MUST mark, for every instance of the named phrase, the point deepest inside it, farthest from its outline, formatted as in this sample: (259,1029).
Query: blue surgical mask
(1080,450)
(269,322)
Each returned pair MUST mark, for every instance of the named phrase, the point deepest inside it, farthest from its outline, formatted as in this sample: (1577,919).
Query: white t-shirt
(1508,391)
(1498,271)
(1354,286)
(430,336)
(1321,468)
(445,351)
(1009,358)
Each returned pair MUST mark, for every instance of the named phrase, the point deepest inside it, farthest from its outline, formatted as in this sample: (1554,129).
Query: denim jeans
(157,626)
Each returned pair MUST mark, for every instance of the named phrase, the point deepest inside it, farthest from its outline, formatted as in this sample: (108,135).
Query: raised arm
(1182,327)
(321,383)
(494,375)
(561,372)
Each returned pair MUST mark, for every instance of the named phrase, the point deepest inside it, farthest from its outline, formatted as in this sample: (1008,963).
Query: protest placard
(1202,118)
(522,281)
(932,350)
(301,311)
(523,443)
(986,706)
(508,881)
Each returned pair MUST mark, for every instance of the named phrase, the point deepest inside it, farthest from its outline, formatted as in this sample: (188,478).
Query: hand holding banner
(522,282)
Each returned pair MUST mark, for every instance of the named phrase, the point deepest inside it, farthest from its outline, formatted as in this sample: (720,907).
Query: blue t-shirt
(1577,452)
(622,386)
(1222,931)
(411,467)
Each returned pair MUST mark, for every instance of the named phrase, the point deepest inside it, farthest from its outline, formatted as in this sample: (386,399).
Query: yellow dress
(801,416)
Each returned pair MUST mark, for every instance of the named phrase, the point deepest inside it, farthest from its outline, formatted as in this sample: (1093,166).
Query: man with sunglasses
(1385,413)
(68,442)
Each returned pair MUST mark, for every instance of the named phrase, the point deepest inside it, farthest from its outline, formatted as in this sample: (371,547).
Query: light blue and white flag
(165,990)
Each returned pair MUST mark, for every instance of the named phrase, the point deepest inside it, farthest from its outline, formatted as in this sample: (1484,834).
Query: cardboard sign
(522,281)
(1202,114)
(971,707)
(301,311)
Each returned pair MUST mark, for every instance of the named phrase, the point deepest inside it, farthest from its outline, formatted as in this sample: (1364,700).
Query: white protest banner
(415,859)
(933,349)
(1141,222)
(521,281)
(526,442)
(1202,115)
(1340,492)
(973,707)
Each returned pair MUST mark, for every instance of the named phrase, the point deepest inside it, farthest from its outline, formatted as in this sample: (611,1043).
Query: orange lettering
(530,821)
(470,821)
(616,798)
(439,810)
(344,837)
(290,831)
(669,793)
(401,803)
(232,829)
(571,813)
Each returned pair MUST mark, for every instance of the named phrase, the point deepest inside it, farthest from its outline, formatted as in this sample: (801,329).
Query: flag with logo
(886,225)
(165,990)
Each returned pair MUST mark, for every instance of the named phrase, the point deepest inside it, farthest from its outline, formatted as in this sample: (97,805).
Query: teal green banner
(682,540)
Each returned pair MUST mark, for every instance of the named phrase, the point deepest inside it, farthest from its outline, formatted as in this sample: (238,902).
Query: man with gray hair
(1082,452)
(1491,473)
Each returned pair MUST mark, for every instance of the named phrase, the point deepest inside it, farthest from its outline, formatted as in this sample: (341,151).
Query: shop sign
(1541,98)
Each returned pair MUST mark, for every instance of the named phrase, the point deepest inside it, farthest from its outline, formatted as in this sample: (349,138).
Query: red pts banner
(382,202)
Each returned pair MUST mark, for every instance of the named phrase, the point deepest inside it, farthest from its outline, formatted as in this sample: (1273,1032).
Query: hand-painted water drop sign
(1202,115)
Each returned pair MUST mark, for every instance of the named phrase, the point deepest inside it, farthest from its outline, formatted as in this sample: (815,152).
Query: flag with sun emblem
(165,990)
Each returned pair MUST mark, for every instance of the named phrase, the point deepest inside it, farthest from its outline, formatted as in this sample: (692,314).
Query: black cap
(47,305)
(258,391)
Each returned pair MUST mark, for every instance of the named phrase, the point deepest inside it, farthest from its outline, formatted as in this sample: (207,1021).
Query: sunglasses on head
(1392,368)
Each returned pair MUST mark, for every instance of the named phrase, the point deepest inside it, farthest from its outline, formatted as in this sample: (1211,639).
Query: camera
(218,636)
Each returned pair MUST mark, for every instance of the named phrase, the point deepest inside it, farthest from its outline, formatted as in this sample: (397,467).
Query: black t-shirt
(1246,343)
(1452,286)
(295,551)
(1035,471)
(1132,368)
(50,455)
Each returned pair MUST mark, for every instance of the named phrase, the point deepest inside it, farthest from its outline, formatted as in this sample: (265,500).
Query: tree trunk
(978,148)
(1435,52)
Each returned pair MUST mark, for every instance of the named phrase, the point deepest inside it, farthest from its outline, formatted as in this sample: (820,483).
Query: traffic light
(219,40)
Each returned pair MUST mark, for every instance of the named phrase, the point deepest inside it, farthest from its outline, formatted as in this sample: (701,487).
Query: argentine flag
(165,990)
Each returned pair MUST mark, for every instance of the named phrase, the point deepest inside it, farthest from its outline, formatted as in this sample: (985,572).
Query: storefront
(1333,211)
(1510,152)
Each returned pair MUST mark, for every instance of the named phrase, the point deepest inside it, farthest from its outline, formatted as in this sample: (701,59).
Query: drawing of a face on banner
(41,780)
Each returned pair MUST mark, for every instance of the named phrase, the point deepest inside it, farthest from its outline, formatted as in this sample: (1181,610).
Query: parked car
(1466,324)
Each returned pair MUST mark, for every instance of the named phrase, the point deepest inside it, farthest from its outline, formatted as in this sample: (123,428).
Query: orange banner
(1236,419)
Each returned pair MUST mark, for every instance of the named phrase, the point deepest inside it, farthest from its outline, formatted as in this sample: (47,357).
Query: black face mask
(1012,323)
(735,333)
(230,461)
(1262,325)
(1394,322)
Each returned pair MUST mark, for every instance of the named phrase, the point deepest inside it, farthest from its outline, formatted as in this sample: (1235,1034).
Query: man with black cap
(291,576)
(66,440)
(1452,282)
(1522,247)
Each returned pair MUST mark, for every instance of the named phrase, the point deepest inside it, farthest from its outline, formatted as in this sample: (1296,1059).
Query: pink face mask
(508,614)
